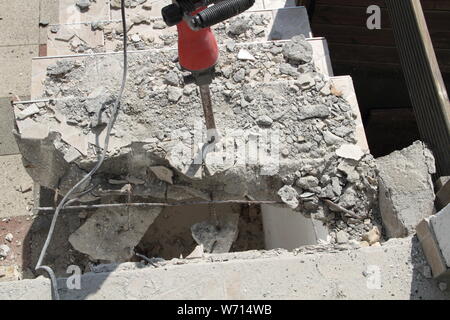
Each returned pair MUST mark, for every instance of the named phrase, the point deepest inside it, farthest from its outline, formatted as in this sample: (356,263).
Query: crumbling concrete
(406,192)
(393,271)
(111,234)
(156,127)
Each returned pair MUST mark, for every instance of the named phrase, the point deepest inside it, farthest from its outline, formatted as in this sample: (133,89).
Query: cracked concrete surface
(394,271)
(279,95)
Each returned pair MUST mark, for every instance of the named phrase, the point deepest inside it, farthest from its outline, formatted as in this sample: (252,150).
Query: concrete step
(394,271)
(260,50)
(101,10)
(263,25)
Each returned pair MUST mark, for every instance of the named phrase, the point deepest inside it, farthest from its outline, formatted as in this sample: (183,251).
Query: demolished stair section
(261,86)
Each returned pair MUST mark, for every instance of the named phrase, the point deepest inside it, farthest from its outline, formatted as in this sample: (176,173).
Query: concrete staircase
(93,32)
(280,21)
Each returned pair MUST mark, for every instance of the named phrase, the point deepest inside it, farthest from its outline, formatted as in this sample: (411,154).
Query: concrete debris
(140,18)
(440,223)
(84,4)
(238,26)
(111,234)
(32,109)
(4,250)
(172,79)
(364,244)
(159,25)
(406,188)
(216,236)
(373,236)
(9,237)
(298,51)
(198,253)
(289,196)
(174,94)
(342,237)
(239,75)
(264,121)
(314,111)
(443,286)
(135,38)
(54,28)
(306,80)
(97,25)
(286,68)
(157,138)
(350,151)
(61,68)
(245,55)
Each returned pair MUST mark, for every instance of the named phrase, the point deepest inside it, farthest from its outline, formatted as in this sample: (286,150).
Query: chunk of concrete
(350,151)
(216,236)
(289,196)
(440,223)
(163,173)
(111,234)
(405,188)
(431,249)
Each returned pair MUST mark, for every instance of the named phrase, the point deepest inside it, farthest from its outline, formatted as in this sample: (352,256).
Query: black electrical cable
(111,122)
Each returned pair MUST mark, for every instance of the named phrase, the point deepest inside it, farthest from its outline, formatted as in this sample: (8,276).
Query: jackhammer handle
(220,12)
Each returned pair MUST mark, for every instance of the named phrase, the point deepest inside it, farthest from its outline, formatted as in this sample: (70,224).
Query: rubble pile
(263,90)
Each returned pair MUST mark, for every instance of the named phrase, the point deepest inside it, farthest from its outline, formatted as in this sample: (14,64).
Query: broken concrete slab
(74,38)
(387,272)
(111,234)
(147,137)
(441,228)
(406,188)
(431,249)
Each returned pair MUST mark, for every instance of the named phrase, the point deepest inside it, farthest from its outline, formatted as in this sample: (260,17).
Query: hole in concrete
(170,234)
(266,227)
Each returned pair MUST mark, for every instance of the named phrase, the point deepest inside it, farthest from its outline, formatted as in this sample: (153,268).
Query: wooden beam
(423,78)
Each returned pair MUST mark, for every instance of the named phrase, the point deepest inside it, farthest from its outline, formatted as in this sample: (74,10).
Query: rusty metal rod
(156,204)
(205,95)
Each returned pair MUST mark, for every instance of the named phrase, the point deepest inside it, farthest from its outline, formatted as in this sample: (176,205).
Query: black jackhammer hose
(220,12)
